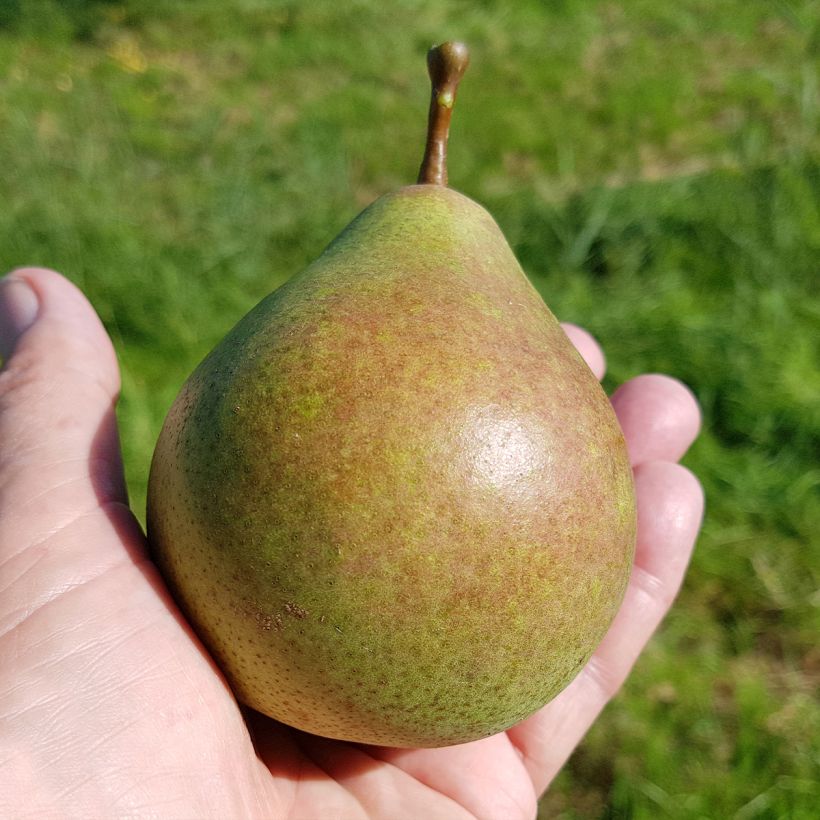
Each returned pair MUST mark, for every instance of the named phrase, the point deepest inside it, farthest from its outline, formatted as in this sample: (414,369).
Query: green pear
(394,502)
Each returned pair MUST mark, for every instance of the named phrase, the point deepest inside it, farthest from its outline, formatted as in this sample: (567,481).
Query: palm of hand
(110,706)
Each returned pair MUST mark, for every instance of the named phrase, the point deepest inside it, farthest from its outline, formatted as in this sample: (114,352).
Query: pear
(394,502)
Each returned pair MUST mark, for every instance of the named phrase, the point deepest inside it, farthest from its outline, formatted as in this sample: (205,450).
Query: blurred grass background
(655,166)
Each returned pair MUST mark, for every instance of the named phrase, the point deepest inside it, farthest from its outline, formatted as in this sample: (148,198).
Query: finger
(659,416)
(670,507)
(57,391)
(59,450)
(587,347)
(485,776)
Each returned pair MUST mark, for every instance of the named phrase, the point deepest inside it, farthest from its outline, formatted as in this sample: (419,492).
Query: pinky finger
(670,507)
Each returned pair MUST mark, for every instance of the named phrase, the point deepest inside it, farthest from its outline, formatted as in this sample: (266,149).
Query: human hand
(109,706)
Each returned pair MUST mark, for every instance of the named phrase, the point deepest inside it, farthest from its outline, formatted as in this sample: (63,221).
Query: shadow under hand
(280,746)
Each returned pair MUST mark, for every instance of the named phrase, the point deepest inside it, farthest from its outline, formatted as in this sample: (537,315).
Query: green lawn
(656,166)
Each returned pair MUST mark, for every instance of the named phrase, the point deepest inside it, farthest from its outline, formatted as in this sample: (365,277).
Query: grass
(656,167)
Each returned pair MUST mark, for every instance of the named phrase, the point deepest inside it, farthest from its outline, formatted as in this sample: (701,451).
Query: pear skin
(394,502)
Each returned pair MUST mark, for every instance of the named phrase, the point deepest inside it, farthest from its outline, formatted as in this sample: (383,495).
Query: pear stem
(446,65)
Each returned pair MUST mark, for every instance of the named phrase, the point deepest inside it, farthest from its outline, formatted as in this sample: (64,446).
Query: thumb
(59,448)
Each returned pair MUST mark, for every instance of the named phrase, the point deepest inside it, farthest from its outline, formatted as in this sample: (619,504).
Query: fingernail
(18,309)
